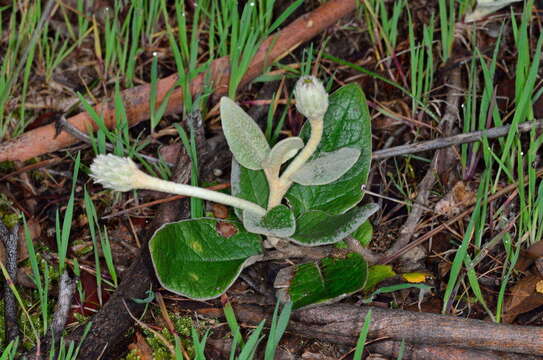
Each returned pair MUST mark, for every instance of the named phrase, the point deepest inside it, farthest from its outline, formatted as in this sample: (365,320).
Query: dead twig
(341,323)
(10,240)
(392,348)
(66,290)
(136,100)
(162,201)
(459,139)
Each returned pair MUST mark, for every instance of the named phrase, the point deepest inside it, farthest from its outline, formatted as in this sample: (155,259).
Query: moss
(183,326)
(132,355)
(7,213)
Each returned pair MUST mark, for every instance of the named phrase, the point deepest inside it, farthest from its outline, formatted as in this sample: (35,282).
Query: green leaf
(364,233)
(347,123)
(191,258)
(377,274)
(316,227)
(283,151)
(244,137)
(328,167)
(327,280)
(278,221)
(248,184)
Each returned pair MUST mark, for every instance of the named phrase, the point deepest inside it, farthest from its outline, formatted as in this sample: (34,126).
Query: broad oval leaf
(250,185)
(244,137)
(192,257)
(278,221)
(347,123)
(326,281)
(283,151)
(315,227)
(328,167)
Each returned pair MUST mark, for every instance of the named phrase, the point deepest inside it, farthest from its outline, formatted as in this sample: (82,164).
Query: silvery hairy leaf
(327,168)
(244,137)
(283,151)
(279,222)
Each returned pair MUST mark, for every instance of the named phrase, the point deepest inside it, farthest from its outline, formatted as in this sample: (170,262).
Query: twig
(454,140)
(62,124)
(162,201)
(341,323)
(150,329)
(10,240)
(136,100)
(391,349)
(169,324)
(66,289)
(65,296)
(38,165)
(428,181)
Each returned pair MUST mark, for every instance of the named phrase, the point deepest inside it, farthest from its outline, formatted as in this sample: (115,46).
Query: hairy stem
(152,183)
(280,186)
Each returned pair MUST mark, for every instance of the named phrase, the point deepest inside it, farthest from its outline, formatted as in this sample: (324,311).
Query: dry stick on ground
(423,191)
(459,139)
(65,296)
(392,348)
(341,323)
(10,240)
(66,291)
(136,100)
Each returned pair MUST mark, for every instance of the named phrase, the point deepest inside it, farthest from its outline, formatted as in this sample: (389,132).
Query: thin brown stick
(65,296)
(459,139)
(136,100)
(162,201)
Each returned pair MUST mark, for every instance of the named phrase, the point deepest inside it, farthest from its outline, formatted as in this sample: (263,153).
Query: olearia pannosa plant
(304,190)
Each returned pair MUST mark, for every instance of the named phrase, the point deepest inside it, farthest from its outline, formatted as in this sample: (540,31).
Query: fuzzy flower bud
(117,173)
(311,98)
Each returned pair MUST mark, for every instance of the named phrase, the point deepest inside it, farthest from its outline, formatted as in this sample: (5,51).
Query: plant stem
(279,187)
(152,183)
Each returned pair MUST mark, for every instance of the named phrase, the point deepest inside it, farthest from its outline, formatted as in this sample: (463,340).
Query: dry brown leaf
(524,297)
(455,201)
(226,229)
(220,211)
(143,349)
